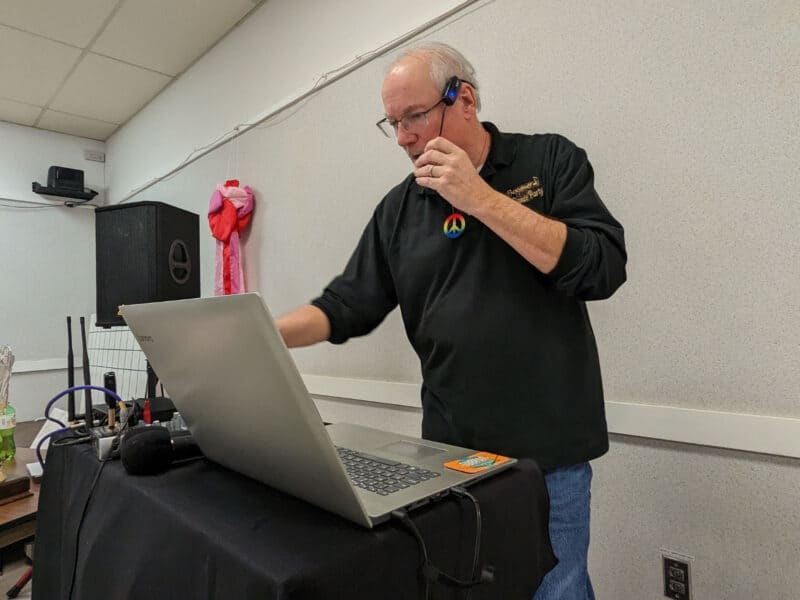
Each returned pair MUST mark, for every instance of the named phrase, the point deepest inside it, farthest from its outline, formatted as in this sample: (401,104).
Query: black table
(203,531)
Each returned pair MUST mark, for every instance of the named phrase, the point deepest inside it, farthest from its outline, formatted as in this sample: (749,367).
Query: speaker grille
(146,252)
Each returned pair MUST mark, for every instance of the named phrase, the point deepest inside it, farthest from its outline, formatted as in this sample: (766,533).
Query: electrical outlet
(94,155)
(676,575)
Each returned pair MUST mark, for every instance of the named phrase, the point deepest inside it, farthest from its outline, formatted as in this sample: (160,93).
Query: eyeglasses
(415,121)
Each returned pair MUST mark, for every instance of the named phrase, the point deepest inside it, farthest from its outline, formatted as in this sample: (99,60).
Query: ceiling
(84,67)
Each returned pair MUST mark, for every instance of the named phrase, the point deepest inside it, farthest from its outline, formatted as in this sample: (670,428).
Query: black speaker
(63,178)
(146,252)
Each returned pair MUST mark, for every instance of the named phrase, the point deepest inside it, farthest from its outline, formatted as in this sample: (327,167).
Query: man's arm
(538,239)
(579,244)
(304,326)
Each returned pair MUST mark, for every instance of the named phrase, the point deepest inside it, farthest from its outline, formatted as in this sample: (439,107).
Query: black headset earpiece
(450,92)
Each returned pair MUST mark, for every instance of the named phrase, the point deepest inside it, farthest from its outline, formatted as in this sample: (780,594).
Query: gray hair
(445,62)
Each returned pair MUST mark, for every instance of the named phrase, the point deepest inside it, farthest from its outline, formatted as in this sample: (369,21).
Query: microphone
(110,383)
(152,450)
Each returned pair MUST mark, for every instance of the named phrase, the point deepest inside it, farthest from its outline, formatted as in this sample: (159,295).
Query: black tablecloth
(203,531)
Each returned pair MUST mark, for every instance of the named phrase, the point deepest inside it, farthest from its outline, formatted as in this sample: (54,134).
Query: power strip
(105,441)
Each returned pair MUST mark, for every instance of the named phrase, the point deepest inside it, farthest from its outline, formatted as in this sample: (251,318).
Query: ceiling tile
(168,36)
(75,125)
(31,67)
(73,22)
(107,89)
(17,112)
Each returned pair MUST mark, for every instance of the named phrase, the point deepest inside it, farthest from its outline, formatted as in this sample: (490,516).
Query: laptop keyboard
(381,475)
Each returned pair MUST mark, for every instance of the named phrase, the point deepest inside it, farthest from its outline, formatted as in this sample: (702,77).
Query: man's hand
(446,168)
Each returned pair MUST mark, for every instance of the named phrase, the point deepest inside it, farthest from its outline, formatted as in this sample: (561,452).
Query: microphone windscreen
(146,450)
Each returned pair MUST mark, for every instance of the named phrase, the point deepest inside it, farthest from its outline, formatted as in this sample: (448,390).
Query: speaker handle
(179,260)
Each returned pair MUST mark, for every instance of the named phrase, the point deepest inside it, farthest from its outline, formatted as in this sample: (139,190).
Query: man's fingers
(431,156)
(427,171)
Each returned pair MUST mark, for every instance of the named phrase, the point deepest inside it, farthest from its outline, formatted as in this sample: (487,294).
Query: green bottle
(8,421)
(8,416)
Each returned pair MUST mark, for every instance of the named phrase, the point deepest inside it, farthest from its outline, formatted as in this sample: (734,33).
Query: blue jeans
(570,497)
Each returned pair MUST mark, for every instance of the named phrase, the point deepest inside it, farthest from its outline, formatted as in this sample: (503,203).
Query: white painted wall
(282,50)
(47,261)
(735,513)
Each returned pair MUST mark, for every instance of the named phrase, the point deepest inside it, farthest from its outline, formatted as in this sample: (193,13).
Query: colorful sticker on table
(454,225)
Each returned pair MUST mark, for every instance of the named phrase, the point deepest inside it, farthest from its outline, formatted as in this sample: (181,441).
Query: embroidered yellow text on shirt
(527,191)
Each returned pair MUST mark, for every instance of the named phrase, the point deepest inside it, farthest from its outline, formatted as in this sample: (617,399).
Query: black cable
(80,525)
(459,491)
(426,191)
(71,441)
(33,205)
(80,429)
(402,516)
(432,573)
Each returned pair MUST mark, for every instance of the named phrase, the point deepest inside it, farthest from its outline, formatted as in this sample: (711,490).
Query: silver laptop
(227,370)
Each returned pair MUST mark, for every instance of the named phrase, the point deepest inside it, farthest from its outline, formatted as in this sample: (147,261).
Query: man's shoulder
(529,145)
(543,140)
(553,149)
(532,137)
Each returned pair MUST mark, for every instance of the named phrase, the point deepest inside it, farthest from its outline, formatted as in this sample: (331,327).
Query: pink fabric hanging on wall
(229,212)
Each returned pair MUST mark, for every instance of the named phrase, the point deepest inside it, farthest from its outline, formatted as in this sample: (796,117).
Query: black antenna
(70,374)
(150,392)
(87,380)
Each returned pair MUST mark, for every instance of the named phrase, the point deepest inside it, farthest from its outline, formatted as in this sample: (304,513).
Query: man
(491,248)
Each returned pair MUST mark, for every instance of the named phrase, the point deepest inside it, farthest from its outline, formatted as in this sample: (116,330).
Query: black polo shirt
(508,356)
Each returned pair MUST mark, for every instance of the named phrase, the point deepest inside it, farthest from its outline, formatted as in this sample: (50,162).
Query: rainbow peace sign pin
(454,225)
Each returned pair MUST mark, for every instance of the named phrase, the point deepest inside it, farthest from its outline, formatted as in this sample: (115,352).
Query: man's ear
(468,100)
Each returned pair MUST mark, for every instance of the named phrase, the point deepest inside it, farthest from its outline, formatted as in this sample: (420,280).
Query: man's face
(408,89)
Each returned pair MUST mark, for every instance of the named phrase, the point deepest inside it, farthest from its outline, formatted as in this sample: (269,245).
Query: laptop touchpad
(410,450)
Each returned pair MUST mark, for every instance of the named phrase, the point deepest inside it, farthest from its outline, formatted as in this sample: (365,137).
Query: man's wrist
(489,204)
